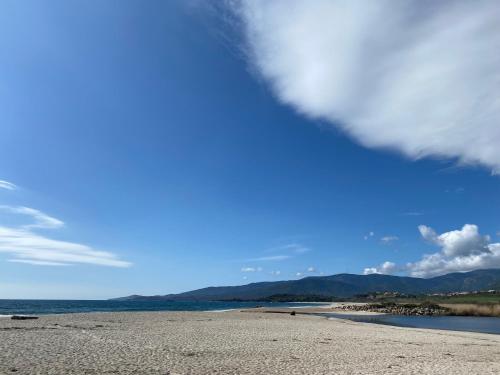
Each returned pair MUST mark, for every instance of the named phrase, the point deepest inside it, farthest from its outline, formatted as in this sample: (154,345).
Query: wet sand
(235,343)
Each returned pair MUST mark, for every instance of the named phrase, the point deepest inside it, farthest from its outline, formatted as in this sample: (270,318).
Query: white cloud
(385,268)
(275,273)
(412,213)
(270,258)
(458,190)
(288,251)
(369,270)
(311,269)
(41,220)
(389,239)
(294,248)
(298,274)
(7,185)
(427,233)
(419,77)
(251,269)
(460,251)
(458,242)
(26,246)
(37,262)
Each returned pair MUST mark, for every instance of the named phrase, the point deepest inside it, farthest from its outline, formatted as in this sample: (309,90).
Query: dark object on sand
(23,317)
(292,313)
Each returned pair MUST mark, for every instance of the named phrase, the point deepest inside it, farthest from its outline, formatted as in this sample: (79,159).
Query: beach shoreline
(235,343)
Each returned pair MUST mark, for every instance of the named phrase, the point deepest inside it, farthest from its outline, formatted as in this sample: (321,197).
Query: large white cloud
(460,250)
(458,242)
(420,77)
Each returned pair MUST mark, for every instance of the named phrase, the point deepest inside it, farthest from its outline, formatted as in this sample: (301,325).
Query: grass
(469,309)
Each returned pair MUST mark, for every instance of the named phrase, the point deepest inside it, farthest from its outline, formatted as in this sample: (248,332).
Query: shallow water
(452,323)
(9,307)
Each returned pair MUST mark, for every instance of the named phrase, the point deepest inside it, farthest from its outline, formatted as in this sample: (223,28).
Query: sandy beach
(235,343)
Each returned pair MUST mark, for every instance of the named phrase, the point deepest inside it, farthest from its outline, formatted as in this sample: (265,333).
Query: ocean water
(32,307)
(483,324)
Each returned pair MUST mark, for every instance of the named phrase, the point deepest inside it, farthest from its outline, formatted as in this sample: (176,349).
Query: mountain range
(340,285)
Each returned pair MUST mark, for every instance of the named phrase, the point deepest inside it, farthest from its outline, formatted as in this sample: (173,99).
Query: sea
(38,307)
(482,324)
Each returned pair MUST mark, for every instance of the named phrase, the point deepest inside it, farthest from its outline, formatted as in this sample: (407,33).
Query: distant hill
(341,285)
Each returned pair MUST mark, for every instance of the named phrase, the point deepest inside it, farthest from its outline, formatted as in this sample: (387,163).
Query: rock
(23,317)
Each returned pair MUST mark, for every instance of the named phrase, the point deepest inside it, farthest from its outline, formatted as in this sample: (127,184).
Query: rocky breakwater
(399,309)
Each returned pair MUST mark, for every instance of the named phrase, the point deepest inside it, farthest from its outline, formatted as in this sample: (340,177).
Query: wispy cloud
(26,246)
(294,248)
(419,77)
(457,190)
(269,258)
(297,248)
(412,213)
(37,262)
(251,269)
(388,239)
(40,219)
(7,185)
(287,251)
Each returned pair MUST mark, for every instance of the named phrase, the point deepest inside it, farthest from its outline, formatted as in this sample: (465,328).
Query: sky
(158,147)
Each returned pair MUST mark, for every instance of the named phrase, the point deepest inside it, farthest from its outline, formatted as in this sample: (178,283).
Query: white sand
(235,343)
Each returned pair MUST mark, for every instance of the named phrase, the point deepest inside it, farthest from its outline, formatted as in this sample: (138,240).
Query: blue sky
(160,147)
